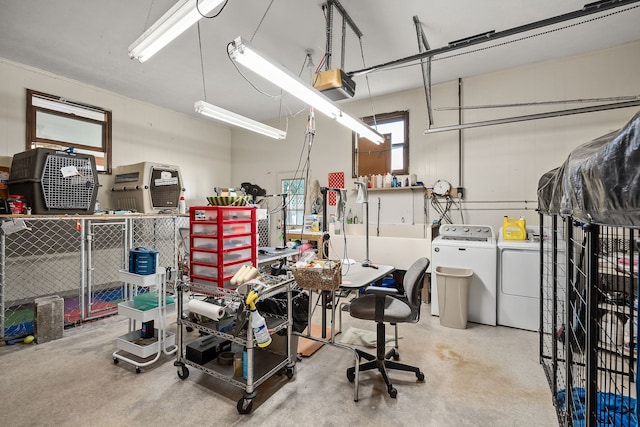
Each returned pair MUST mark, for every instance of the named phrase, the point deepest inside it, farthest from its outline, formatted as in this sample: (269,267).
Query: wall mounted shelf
(413,187)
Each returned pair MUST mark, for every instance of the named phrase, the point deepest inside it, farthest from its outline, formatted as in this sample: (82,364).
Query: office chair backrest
(412,282)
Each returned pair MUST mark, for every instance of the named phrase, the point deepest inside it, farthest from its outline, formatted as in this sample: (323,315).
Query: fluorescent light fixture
(359,127)
(242,52)
(227,116)
(181,16)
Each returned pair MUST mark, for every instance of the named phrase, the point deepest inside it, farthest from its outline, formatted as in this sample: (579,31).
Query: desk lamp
(363,197)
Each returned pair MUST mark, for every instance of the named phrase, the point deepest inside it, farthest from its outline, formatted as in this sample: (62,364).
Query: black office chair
(387,305)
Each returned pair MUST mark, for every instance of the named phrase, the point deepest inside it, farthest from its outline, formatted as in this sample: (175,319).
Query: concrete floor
(480,376)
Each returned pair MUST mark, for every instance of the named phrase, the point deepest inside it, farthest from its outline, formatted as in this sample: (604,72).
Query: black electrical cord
(212,16)
(245,77)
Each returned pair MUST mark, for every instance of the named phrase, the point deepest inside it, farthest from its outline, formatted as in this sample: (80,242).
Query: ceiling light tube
(227,116)
(360,128)
(173,23)
(244,53)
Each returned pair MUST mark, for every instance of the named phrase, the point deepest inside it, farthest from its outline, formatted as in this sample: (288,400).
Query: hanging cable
(212,16)
(366,77)
(245,77)
(204,85)
(264,15)
(146,22)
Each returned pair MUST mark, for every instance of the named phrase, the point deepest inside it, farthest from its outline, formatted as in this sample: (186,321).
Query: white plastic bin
(453,296)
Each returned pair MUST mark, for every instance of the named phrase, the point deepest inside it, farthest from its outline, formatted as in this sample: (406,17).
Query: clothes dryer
(519,281)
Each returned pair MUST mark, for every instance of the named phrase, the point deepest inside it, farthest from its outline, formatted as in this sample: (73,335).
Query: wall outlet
(460,192)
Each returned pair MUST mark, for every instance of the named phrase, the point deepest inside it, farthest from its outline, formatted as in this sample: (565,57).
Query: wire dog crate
(590,222)
(588,345)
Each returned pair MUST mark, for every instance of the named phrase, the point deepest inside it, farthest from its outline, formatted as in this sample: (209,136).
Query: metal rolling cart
(261,363)
(133,343)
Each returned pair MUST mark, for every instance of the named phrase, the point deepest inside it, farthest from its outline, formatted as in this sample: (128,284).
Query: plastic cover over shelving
(599,182)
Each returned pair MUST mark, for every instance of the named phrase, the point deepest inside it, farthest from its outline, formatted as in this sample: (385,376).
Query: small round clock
(441,187)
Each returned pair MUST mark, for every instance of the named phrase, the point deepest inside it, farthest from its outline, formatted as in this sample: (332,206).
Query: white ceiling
(87,40)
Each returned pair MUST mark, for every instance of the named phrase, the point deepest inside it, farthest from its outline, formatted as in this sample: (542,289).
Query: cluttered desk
(354,277)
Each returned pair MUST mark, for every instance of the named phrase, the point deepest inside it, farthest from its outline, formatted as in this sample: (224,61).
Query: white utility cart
(261,363)
(146,350)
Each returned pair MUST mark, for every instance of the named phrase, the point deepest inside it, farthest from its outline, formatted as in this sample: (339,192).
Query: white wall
(501,164)
(141,131)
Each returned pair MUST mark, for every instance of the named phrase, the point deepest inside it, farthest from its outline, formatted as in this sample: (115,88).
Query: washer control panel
(466,232)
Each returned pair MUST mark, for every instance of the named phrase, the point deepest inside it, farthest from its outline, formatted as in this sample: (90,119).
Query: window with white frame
(294,189)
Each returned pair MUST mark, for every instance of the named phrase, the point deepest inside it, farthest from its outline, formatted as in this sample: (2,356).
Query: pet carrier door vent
(67,192)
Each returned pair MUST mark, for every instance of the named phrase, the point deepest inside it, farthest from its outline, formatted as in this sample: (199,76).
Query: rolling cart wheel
(189,328)
(420,376)
(396,356)
(115,360)
(351,375)
(244,406)
(138,369)
(183,372)
(393,392)
(290,372)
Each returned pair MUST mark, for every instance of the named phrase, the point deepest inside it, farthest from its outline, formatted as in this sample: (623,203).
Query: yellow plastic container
(514,229)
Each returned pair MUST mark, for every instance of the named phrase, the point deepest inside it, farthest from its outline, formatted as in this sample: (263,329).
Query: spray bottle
(260,331)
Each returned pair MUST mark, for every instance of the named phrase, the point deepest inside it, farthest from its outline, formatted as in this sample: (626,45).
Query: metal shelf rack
(261,363)
(131,342)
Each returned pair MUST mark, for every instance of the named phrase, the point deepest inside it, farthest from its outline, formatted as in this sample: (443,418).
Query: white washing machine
(473,247)
(519,281)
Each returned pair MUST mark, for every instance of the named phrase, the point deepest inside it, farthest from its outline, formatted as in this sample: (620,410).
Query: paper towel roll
(212,311)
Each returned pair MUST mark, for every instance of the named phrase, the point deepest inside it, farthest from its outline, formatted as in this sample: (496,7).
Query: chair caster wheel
(420,376)
(393,392)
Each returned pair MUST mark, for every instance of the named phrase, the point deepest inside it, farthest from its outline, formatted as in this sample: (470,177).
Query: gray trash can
(453,296)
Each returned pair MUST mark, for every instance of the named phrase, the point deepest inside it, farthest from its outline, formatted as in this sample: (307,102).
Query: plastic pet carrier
(55,182)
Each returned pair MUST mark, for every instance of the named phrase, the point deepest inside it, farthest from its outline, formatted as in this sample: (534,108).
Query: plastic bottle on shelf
(238,364)
(182,205)
(315,224)
(258,324)
(350,217)
(387,180)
